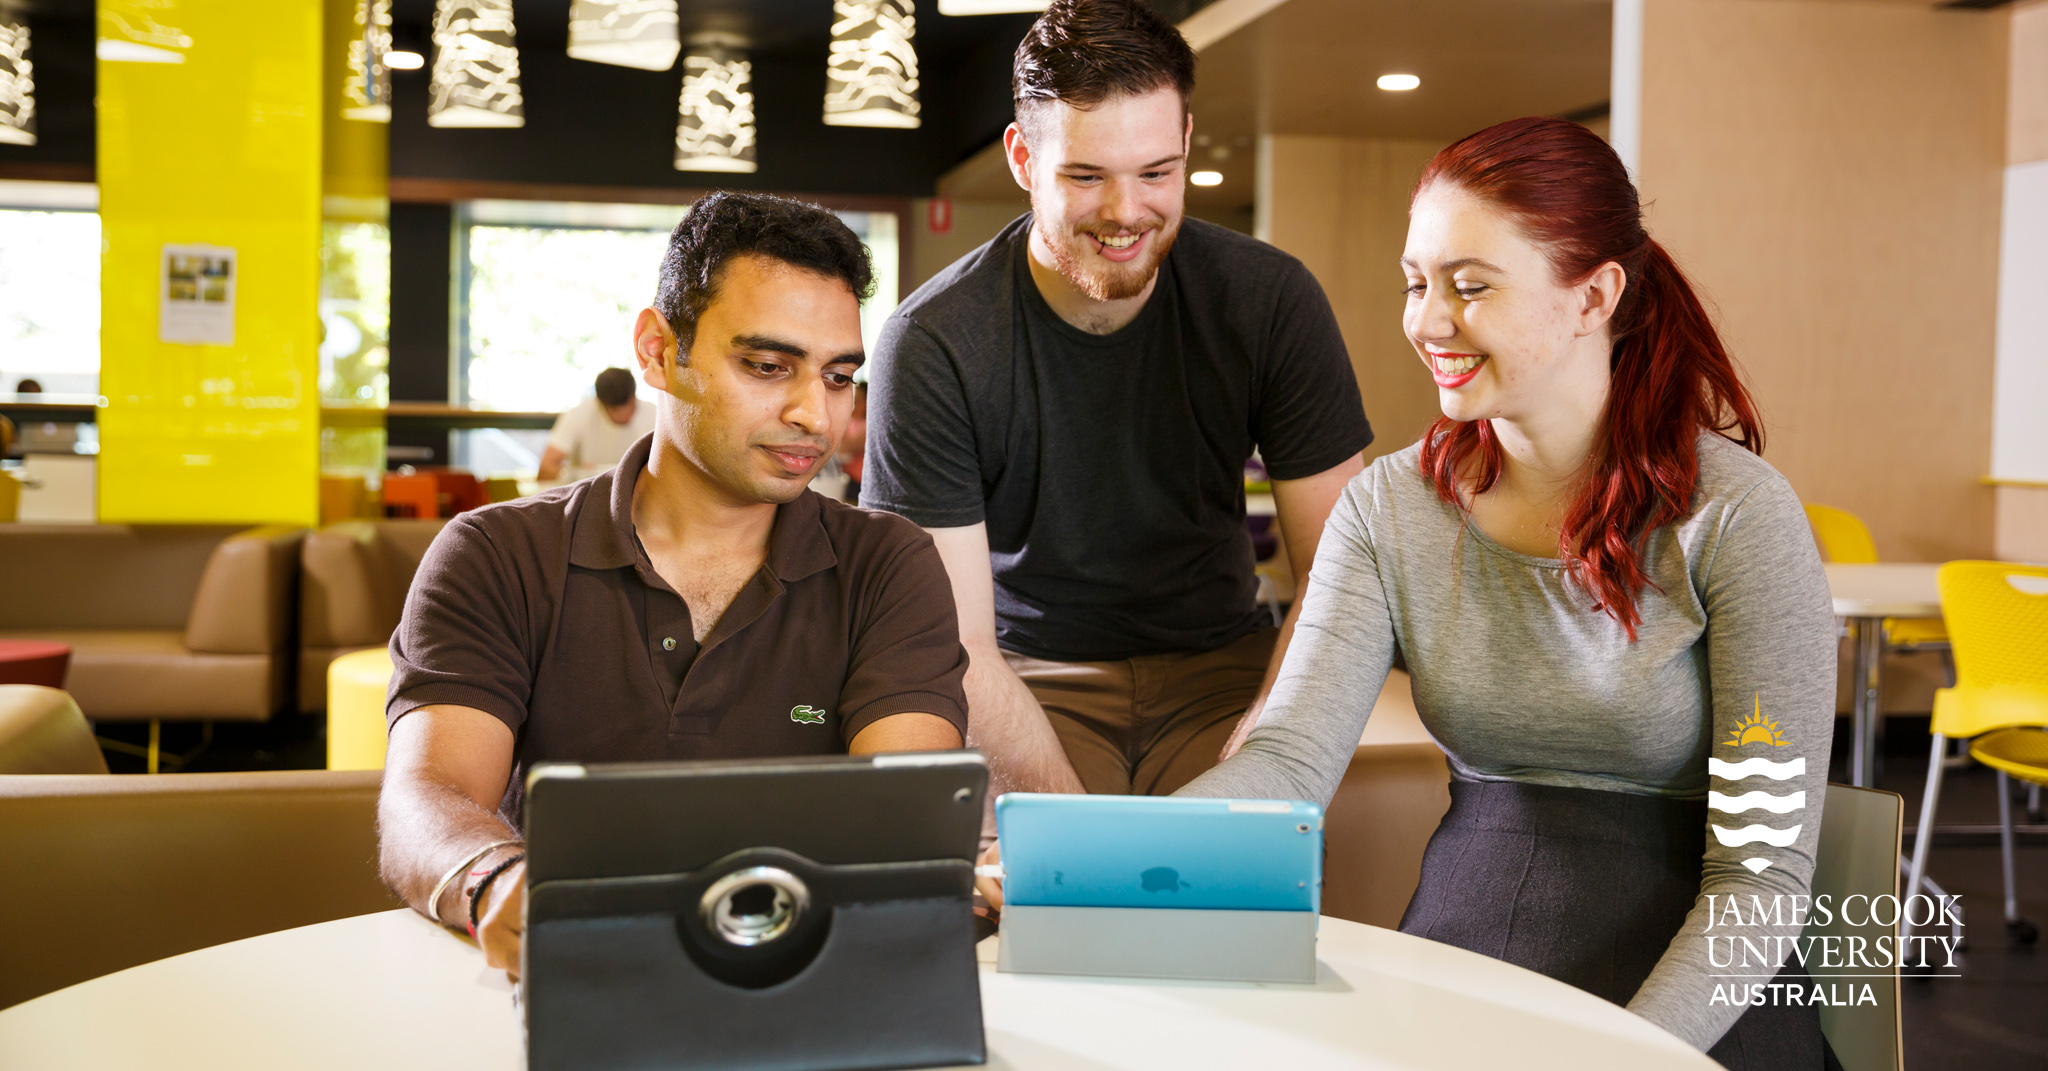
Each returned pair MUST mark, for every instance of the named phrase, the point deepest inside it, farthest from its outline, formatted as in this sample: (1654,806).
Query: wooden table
(393,992)
(1864,595)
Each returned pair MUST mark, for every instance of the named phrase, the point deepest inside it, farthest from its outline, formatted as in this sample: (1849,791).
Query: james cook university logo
(1752,730)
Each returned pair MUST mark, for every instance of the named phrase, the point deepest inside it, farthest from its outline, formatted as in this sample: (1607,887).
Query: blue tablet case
(1152,851)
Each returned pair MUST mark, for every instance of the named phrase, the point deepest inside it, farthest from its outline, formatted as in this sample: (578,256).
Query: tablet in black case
(782,915)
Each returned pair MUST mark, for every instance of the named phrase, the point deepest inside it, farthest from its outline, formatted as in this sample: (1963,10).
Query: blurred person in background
(593,436)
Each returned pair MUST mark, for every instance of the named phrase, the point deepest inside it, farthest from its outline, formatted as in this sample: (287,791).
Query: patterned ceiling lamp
(627,33)
(872,80)
(367,95)
(476,66)
(715,127)
(17,80)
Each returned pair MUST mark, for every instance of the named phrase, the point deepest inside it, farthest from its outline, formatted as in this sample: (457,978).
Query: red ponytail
(1671,377)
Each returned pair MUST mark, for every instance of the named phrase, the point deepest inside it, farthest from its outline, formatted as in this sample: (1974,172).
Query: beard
(1074,254)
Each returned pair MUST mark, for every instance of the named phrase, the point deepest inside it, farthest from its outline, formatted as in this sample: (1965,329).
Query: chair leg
(1923,839)
(2033,803)
(155,755)
(2020,930)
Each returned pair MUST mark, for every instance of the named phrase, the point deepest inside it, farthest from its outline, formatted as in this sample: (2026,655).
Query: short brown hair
(614,387)
(1083,52)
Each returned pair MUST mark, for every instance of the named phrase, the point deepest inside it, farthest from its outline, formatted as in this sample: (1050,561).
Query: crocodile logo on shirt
(804,715)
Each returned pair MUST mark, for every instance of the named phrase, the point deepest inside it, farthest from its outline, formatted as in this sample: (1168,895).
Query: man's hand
(501,923)
(989,886)
(1003,719)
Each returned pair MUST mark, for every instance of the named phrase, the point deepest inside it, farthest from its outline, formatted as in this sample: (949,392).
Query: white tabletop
(392,992)
(1885,590)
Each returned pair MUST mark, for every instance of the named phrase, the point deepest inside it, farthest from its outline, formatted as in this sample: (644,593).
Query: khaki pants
(1146,726)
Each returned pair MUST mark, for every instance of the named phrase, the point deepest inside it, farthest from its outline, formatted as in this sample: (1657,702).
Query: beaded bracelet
(476,895)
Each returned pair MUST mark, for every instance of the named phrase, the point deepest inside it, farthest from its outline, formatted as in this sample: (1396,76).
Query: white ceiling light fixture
(715,121)
(127,34)
(645,34)
(404,61)
(1398,83)
(17,80)
(872,77)
(367,93)
(476,66)
(1206,178)
(990,7)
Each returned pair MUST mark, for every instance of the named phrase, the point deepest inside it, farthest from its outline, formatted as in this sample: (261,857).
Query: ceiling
(1309,67)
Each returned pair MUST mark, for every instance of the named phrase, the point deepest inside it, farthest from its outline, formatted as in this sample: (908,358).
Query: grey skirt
(1588,887)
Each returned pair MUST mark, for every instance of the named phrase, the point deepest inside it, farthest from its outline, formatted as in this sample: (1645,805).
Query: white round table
(393,992)
(1864,595)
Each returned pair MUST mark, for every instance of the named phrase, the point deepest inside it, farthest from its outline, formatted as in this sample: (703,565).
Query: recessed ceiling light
(1398,83)
(1206,178)
(404,61)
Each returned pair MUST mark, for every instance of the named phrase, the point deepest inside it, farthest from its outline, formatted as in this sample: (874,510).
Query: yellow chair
(356,683)
(1998,619)
(1845,539)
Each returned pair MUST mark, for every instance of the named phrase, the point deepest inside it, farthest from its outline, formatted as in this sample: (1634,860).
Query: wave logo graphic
(1736,838)
(1756,801)
(1776,771)
(1756,728)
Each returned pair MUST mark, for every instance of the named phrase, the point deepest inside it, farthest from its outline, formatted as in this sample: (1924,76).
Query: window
(551,290)
(50,287)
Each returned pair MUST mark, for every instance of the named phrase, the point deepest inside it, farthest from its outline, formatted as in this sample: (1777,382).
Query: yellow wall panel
(220,147)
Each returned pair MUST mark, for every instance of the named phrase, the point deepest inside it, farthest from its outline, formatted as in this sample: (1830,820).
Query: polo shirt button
(668,643)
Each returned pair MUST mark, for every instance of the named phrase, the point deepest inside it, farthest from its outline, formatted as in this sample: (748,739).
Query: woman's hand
(988,885)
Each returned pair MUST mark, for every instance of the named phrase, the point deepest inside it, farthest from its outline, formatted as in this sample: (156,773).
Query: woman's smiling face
(1499,333)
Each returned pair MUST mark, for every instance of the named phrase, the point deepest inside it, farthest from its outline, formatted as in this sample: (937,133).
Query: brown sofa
(42,732)
(353,580)
(182,622)
(108,872)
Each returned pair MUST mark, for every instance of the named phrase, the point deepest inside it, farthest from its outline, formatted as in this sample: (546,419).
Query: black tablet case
(620,971)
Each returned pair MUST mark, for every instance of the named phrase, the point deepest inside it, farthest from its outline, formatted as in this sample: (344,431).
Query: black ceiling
(593,124)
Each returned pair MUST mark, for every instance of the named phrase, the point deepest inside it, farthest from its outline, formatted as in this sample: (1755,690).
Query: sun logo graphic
(1757,729)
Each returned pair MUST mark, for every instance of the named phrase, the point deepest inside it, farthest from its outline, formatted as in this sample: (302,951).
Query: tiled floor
(1993,1018)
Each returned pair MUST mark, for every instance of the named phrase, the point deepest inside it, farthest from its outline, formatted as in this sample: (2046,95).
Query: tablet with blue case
(1154,851)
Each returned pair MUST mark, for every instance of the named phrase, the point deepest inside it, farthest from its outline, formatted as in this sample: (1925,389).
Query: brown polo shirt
(547,613)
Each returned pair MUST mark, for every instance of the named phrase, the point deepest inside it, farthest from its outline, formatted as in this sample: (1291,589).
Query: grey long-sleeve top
(1518,679)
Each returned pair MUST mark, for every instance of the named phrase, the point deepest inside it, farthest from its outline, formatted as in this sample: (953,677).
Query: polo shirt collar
(605,538)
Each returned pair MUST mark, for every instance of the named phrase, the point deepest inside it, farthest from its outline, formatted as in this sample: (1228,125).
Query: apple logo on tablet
(1162,879)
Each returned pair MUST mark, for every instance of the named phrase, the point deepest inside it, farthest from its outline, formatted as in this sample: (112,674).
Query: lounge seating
(42,732)
(176,622)
(353,580)
(126,870)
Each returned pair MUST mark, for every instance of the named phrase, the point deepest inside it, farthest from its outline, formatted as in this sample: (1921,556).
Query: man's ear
(1017,153)
(654,347)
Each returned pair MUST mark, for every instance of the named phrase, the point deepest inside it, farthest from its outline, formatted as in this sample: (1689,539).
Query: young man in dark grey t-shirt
(1068,411)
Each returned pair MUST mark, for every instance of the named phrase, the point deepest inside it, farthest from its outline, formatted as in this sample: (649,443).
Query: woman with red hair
(1609,605)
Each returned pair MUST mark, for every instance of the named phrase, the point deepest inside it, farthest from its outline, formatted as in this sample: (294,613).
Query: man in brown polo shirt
(696,602)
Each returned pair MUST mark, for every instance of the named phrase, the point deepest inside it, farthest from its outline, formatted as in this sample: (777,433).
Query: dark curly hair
(1083,52)
(727,225)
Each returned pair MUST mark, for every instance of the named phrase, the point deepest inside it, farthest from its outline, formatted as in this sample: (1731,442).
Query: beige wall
(974,222)
(1341,206)
(2023,511)
(1829,173)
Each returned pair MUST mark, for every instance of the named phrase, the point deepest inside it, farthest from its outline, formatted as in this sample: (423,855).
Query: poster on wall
(197,296)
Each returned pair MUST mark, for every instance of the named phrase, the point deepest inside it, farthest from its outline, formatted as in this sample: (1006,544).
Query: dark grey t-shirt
(1110,468)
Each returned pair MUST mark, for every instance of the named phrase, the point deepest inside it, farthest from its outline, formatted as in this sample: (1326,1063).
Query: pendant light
(476,66)
(17,80)
(626,33)
(367,94)
(715,121)
(872,77)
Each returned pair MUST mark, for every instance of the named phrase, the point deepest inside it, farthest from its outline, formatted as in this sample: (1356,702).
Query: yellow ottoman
(356,683)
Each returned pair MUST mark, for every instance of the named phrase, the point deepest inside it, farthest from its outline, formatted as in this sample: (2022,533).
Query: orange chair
(431,493)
